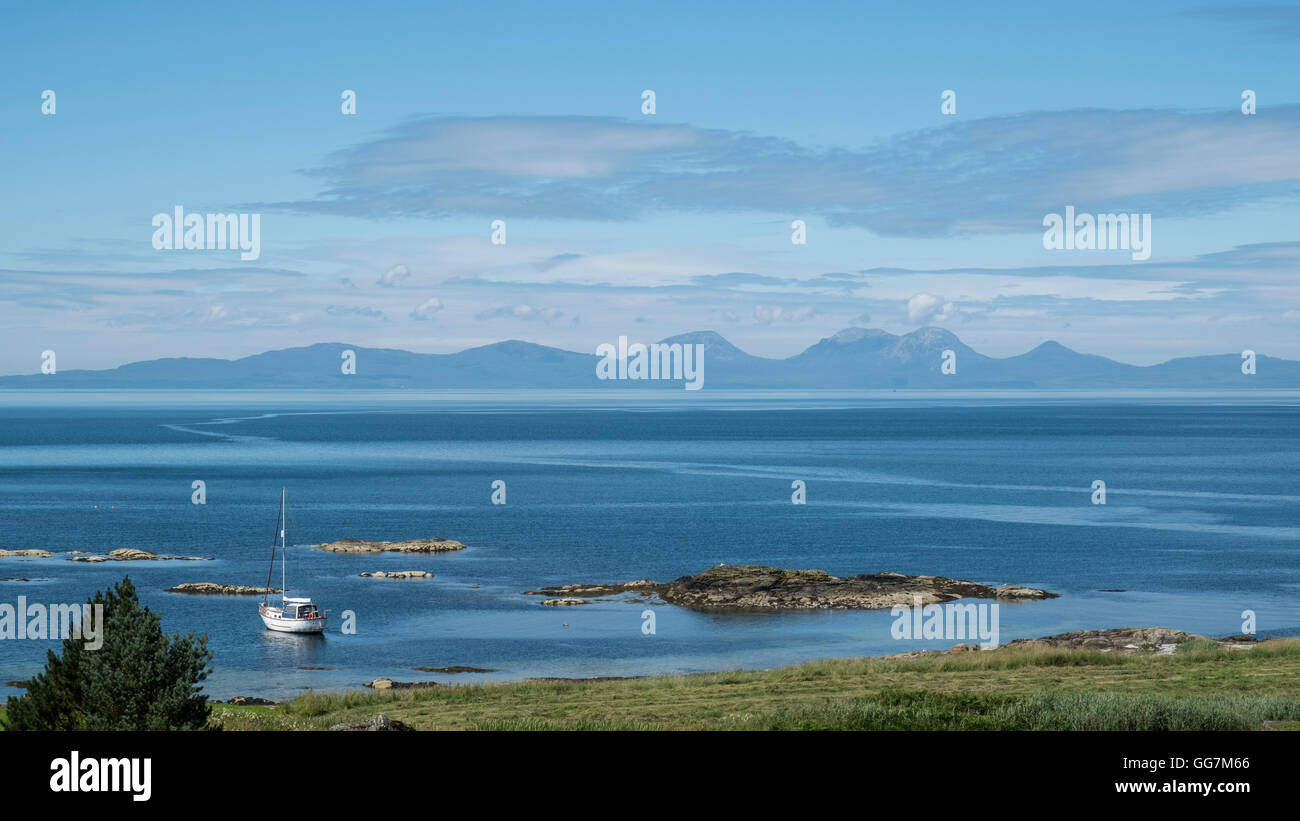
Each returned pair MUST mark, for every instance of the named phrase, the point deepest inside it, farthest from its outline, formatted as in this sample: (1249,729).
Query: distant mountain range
(852,358)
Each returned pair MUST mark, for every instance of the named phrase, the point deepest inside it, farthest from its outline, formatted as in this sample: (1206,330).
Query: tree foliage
(139,679)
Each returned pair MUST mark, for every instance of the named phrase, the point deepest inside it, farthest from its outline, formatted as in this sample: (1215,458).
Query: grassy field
(1202,686)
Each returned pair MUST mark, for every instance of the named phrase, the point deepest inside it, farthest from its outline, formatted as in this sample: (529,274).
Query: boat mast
(284,516)
(270,568)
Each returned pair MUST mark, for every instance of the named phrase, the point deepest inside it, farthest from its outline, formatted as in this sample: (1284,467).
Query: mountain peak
(855,334)
(931,335)
(697,338)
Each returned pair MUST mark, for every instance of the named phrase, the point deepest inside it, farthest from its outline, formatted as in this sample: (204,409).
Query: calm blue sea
(1201,520)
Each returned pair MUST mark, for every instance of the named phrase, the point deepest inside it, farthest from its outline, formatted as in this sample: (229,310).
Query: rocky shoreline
(752,587)
(1161,640)
(1119,640)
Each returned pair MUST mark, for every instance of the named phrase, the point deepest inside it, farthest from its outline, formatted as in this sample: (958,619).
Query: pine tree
(139,679)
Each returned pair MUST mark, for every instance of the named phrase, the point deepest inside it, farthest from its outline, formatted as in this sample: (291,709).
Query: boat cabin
(298,609)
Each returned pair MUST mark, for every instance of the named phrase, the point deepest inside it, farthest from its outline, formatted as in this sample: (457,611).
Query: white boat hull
(284,625)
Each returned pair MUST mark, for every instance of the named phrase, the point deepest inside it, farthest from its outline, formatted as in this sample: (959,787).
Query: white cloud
(392,276)
(928,308)
(427,309)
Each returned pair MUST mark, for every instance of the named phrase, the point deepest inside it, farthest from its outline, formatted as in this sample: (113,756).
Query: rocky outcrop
(214,589)
(130,554)
(412,546)
(757,587)
(389,684)
(566,602)
(30,554)
(380,723)
(399,574)
(645,587)
(1118,640)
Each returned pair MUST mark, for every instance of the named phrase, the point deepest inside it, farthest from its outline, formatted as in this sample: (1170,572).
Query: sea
(1200,529)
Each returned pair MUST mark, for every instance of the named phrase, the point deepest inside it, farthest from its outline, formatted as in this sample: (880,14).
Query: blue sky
(376,227)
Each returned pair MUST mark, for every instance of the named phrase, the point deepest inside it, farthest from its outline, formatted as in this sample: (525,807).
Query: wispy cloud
(993,175)
(1273,22)
(523,312)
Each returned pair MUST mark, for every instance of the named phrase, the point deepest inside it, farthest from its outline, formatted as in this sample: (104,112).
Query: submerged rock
(758,587)
(455,668)
(212,588)
(591,591)
(412,546)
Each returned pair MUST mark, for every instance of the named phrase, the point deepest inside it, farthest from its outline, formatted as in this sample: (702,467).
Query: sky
(376,227)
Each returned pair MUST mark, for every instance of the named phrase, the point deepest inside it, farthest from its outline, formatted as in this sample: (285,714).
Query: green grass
(1203,686)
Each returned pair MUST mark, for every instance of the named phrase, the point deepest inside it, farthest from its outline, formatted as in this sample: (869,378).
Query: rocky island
(30,554)
(412,546)
(398,574)
(758,587)
(214,589)
(130,554)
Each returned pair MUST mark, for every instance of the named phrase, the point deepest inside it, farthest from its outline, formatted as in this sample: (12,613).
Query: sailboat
(294,615)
